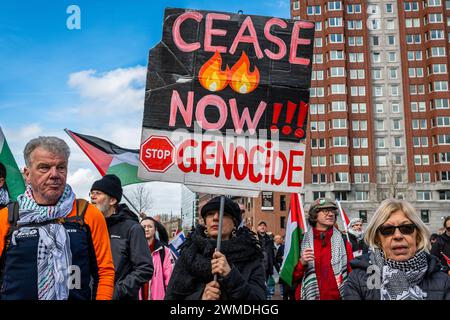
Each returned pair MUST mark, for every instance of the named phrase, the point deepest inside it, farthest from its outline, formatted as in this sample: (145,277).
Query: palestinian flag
(109,158)
(295,230)
(14,178)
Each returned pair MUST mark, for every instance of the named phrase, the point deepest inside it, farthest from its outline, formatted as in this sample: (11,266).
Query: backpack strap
(82,206)
(13,217)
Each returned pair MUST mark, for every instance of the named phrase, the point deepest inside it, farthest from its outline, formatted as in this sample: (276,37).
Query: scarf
(310,287)
(358,234)
(194,264)
(54,256)
(4,197)
(400,279)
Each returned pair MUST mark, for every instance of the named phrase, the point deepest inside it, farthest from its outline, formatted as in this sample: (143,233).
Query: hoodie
(131,254)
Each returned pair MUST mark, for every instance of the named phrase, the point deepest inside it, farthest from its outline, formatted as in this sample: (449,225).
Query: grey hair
(52,144)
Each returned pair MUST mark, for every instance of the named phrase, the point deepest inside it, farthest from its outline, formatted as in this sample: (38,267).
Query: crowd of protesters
(54,246)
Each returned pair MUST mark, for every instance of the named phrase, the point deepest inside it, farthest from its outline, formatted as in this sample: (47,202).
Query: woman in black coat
(398,266)
(238,265)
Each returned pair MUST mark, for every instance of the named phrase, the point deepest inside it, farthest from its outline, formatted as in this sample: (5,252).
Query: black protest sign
(230,71)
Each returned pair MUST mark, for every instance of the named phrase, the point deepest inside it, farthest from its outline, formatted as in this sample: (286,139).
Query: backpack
(13,218)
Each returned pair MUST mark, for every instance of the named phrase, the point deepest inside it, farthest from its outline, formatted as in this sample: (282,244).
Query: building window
(340,196)
(444,195)
(319,178)
(363,215)
(283,203)
(296,5)
(318,194)
(391,40)
(425,216)
(282,222)
(341,177)
(361,196)
(334,5)
(267,200)
(423,195)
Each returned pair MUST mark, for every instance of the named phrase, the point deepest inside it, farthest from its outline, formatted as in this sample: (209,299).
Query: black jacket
(435,283)
(442,245)
(269,253)
(131,254)
(192,270)
(358,244)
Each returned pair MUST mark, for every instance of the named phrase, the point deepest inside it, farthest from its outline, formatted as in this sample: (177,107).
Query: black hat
(230,207)
(109,184)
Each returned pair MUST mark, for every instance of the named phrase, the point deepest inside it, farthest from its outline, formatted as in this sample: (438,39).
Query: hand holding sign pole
(219,236)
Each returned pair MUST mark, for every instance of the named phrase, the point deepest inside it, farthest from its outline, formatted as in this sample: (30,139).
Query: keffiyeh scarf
(54,256)
(400,279)
(4,197)
(310,287)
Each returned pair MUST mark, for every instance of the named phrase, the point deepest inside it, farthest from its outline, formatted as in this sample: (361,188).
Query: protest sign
(227,102)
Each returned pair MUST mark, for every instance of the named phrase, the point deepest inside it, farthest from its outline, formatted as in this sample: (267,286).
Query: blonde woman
(398,265)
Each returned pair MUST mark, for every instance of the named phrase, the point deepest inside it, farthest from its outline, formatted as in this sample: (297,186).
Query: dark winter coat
(435,283)
(269,253)
(192,270)
(358,244)
(442,244)
(131,254)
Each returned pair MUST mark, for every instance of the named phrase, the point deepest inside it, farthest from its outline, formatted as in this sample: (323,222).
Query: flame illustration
(211,76)
(242,80)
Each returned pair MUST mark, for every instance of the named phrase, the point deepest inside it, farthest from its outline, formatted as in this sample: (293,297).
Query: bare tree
(392,186)
(141,198)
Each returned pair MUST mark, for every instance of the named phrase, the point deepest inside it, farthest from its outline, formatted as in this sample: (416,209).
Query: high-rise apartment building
(379,122)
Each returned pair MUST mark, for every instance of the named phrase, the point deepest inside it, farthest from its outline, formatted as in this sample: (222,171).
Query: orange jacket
(100,239)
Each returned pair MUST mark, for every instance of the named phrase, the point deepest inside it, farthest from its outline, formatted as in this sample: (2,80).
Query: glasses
(448,229)
(390,230)
(95,193)
(327,211)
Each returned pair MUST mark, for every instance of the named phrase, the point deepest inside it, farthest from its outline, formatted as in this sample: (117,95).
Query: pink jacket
(161,274)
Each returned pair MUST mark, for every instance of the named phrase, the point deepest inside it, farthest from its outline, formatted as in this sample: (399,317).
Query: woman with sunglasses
(398,265)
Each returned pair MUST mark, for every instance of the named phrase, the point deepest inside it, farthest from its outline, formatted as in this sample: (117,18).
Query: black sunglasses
(390,230)
(448,228)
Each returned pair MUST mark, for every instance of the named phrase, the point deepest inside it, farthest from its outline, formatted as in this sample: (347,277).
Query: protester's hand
(307,256)
(219,264)
(212,291)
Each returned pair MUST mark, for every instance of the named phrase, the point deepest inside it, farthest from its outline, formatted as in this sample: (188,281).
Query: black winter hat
(230,207)
(109,184)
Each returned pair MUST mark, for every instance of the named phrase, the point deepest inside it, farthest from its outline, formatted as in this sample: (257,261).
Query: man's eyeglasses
(448,229)
(390,230)
(95,193)
(328,211)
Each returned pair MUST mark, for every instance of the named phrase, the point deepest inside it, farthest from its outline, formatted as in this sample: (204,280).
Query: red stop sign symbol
(157,154)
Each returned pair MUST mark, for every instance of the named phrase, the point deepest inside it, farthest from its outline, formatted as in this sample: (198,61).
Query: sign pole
(219,236)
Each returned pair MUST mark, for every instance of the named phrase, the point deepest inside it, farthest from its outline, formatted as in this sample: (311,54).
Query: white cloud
(81,181)
(116,92)
(166,197)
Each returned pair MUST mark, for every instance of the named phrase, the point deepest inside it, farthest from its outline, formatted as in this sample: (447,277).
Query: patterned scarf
(4,197)
(310,287)
(399,280)
(54,256)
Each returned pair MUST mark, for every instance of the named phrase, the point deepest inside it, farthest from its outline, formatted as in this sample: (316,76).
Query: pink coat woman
(155,289)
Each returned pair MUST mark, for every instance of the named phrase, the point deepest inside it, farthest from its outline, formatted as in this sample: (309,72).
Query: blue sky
(89,80)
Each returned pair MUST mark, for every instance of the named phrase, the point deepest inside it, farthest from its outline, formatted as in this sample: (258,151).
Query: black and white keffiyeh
(4,197)
(400,279)
(310,287)
(54,257)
